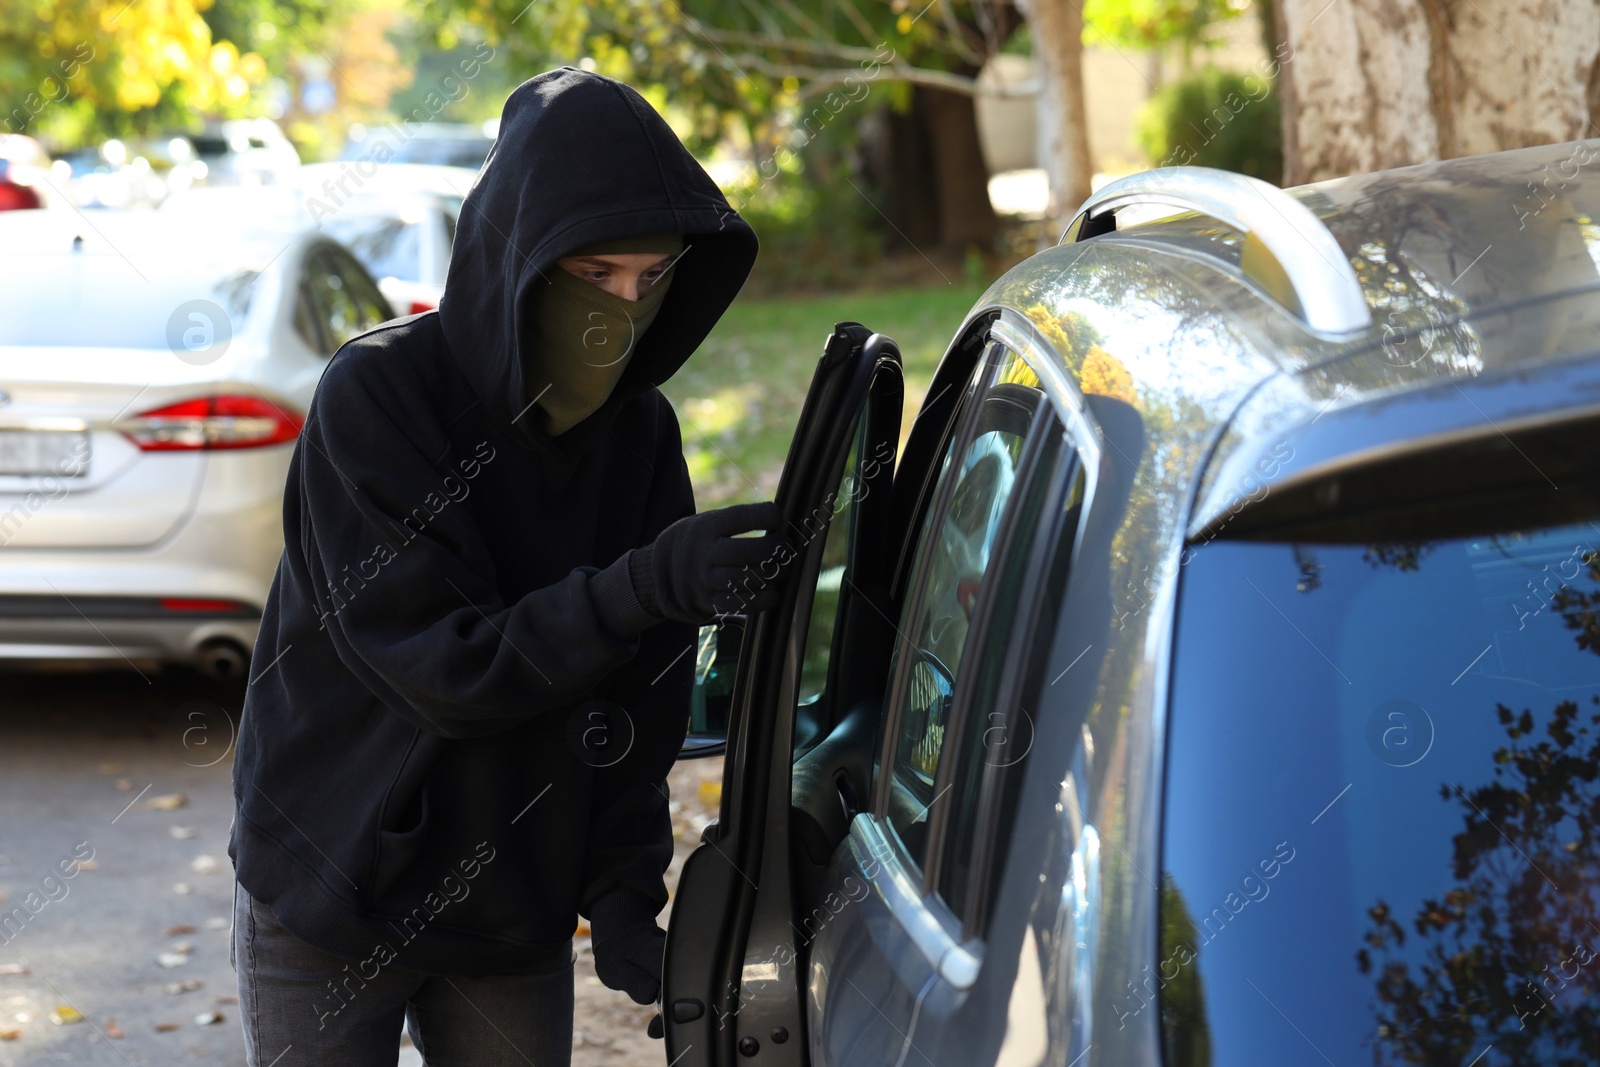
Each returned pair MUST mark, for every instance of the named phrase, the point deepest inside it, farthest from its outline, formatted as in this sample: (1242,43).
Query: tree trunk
(1372,84)
(1063,123)
(926,168)
(961,181)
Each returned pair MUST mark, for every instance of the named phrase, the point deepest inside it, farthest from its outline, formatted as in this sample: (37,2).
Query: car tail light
(419,306)
(199,605)
(14,197)
(210,423)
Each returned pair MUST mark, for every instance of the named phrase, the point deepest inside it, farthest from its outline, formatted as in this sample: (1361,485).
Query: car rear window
(387,247)
(1381,806)
(98,301)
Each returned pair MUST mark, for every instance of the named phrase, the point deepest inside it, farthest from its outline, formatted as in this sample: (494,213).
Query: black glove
(629,959)
(697,569)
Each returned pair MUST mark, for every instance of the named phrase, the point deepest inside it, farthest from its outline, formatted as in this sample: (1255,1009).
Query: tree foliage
(74,68)
(1507,955)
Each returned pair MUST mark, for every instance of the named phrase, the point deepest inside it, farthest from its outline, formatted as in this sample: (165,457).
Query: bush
(1217,118)
(816,233)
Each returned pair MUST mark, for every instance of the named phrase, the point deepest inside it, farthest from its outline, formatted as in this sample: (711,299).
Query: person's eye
(596,275)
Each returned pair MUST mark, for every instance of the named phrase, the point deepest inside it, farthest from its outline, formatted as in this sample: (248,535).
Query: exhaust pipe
(223,658)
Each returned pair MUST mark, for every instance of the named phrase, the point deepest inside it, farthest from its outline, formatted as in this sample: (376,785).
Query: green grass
(738,398)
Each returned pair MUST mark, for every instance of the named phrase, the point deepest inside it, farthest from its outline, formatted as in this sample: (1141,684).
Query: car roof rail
(1287,250)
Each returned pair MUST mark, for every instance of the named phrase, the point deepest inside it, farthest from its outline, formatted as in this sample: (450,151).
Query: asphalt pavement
(115,803)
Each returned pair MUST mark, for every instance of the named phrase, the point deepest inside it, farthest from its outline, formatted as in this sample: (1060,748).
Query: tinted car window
(953,556)
(374,305)
(1381,809)
(998,729)
(337,310)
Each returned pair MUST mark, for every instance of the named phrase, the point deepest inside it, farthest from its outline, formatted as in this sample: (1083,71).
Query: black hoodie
(446,753)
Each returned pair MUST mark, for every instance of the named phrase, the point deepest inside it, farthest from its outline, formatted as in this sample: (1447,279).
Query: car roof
(1481,276)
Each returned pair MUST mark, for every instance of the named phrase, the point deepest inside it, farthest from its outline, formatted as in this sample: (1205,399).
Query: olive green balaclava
(581,337)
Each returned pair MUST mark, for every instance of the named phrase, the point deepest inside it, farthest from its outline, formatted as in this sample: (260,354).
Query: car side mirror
(711,700)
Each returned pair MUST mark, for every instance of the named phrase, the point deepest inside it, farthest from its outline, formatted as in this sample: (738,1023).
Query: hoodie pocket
(399,847)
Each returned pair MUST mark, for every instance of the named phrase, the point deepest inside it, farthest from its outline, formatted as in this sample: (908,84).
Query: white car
(245,152)
(153,380)
(398,219)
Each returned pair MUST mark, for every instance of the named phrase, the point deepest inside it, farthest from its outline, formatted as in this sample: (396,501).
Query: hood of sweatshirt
(582,158)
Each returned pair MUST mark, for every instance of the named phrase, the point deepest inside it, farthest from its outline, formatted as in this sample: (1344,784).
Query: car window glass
(388,247)
(838,513)
(306,318)
(452,210)
(339,311)
(997,730)
(952,558)
(1380,801)
(370,301)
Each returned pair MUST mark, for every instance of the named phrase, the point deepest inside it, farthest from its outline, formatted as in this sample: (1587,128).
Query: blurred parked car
(400,222)
(446,144)
(245,152)
(1215,679)
(398,219)
(153,377)
(174,162)
(24,170)
(109,176)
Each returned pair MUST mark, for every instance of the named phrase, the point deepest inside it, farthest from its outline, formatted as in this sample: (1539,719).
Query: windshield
(96,301)
(1381,810)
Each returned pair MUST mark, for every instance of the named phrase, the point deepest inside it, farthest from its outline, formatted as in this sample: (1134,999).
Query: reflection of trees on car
(1508,953)
(1183,998)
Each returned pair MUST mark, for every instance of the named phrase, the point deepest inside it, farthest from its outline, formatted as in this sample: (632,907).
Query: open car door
(801,727)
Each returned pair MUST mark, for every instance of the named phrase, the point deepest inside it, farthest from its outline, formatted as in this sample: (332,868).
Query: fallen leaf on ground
(114,1031)
(217,922)
(583,929)
(164,1028)
(184,947)
(65,1015)
(111,768)
(228,998)
(10,1035)
(183,889)
(179,930)
(86,865)
(172,959)
(124,785)
(711,793)
(167,802)
(183,833)
(13,968)
(208,1018)
(188,985)
(204,864)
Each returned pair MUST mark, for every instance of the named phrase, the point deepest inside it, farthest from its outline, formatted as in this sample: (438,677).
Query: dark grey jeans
(292,1020)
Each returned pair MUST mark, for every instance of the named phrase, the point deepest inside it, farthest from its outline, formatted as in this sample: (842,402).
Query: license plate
(44,452)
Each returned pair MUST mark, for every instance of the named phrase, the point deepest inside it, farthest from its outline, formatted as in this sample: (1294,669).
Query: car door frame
(719,911)
(909,891)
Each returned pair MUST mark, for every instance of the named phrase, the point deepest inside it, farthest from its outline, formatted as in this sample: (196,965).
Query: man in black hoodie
(475,661)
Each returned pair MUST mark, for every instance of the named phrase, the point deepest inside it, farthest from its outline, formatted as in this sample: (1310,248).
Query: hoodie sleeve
(630,835)
(436,641)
